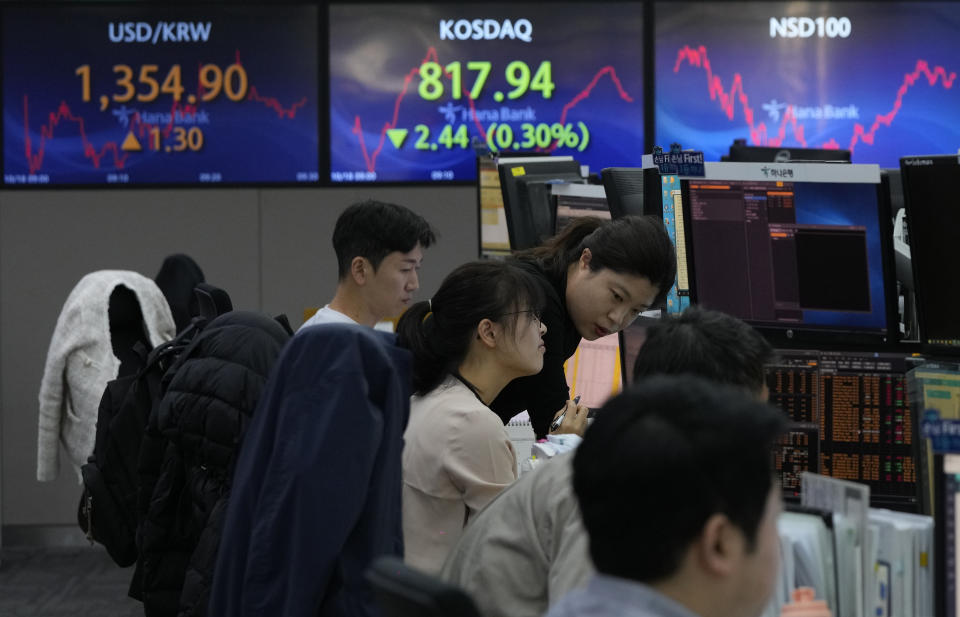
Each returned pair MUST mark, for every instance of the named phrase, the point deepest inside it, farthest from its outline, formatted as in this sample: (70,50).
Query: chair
(402,591)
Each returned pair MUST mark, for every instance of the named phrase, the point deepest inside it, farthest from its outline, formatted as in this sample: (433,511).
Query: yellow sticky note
(518,171)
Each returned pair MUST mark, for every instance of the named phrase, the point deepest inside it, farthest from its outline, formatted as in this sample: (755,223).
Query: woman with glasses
(597,276)
(481,330)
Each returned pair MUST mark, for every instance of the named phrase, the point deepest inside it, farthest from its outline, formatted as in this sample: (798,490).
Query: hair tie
(426,317)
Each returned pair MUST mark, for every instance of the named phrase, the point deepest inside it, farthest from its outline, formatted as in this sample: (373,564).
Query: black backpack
(108,506)
(109,510)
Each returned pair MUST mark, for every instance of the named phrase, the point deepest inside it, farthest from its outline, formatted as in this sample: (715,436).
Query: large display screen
(414,87)
(134,94)
(876,78)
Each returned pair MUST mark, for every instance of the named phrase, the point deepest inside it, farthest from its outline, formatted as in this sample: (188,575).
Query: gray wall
(269,248)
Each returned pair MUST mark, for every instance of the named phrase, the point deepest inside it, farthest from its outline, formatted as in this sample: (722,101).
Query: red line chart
(275,105)
(370,160)
(728,98)
(268,101)
(35,161)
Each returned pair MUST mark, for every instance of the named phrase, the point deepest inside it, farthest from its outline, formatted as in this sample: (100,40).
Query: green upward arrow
(397,136)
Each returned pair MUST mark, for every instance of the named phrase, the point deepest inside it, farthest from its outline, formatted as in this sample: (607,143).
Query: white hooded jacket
(80,362)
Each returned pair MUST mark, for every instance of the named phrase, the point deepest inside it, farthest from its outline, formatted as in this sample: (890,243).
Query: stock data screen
(789,254)
(850,419)
(414,87)
(875,78)
(130,94)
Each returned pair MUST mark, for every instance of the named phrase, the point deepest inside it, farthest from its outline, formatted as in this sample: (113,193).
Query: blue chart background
(845,204)
(372,51)
(245,141)
(866,70)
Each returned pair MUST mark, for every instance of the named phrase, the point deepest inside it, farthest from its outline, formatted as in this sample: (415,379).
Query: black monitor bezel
(740,153)
(802,336)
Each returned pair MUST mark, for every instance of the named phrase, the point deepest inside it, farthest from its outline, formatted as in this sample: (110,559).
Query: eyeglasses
(534,315)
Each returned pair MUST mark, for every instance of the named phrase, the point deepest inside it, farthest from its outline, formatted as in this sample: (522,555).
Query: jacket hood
(178,275)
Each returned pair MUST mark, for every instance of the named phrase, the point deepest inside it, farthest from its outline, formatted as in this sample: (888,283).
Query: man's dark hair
(707,343)
(660,459)
(374,229)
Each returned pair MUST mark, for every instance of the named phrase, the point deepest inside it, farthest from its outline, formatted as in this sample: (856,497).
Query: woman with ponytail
(597,276)
(481,330)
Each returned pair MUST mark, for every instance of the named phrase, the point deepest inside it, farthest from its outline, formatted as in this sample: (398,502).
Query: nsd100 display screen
(876,78)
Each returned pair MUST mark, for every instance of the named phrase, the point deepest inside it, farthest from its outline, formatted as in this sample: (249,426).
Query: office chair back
(402,591)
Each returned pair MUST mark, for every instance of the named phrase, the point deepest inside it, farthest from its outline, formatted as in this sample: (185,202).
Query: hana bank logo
(818,112)
(450,111)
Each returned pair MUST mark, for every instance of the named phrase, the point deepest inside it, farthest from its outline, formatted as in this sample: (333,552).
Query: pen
(559,419)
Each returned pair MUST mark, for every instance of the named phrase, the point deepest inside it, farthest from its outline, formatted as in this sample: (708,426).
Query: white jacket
(80,362)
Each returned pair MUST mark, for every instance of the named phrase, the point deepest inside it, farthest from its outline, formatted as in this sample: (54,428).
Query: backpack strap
(284,323)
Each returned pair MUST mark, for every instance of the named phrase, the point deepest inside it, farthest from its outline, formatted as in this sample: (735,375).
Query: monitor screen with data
(851,419)
(799,250)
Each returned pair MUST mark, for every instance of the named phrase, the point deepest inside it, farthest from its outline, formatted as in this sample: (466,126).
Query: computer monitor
(740,152)
(892,188)
(633,190)
(931,185)
(934,388)
(525,184)
(593,372)
(579,200)
(632,339)
(851,419)
(494,238)
(947,535)
(801,252)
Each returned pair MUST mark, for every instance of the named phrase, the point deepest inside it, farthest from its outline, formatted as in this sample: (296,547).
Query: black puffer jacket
(203,415)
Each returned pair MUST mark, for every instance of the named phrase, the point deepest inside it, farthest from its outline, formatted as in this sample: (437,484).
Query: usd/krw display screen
(876,78)
(414,87)
(130,94)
